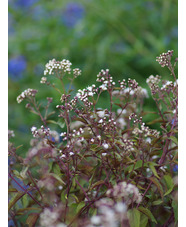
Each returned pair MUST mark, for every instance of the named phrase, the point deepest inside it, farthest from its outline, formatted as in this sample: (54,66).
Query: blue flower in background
(39,13)
(174,32)
(175,169)
(11,223)
(72,14)
(22,4)
(11,22)
(15,185)
(16,67)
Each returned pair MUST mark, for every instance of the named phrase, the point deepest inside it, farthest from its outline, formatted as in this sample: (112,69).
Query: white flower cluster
(109,213)
(40,132)
(75,133)
(146,131)
(164,58)
(43,80)
(153,80)
(167,85)
(128,192)
(76,72)
(106,79)
(102,113)
(25,94)
(64,65)
(10,134)
(50,218)
(87,92)
(139,92)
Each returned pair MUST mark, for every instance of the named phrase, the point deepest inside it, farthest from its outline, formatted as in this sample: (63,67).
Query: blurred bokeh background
(122,35)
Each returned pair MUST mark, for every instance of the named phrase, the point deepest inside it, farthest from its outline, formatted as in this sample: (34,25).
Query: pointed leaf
(134,217)
(151,166)
(157,202)
(143,220)
(15,198)
(32,219)
(148,213)
(80,206)
(174,139)
(158,185)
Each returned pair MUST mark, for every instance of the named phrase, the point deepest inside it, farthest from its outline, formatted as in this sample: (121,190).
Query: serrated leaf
(80,206)
(14,199)
(148,213)
(134,217)
(157,202)
(32,219)
(158,185)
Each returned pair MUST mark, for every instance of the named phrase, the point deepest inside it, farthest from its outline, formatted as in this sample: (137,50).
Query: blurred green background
(122,35)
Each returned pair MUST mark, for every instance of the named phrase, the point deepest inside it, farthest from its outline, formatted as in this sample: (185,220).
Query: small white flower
(71,153)
(99,137)
(105,145)
(96,220)
(100,121)
(121,207)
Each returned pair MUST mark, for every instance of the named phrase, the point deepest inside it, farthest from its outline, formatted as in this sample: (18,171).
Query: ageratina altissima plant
(100,167)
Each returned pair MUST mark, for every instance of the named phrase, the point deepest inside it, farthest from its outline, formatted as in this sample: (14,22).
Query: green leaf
(148,213)
(174,139)
(168,192)
(57,177)
(59,122)
(170,184)
(151,166)
(175,208)
(32,219)
(143,220)
(157,202)
(56,169)
(80,206)
(15,198)
(169,181)
(12,190)
(158,120)
(97,183)
(92,211)
(134,217)
(158,185)
(25,200)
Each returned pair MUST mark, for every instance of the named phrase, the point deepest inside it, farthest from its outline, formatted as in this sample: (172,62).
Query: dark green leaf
(158,185)
(157,202)
(175,208)
(148,213)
